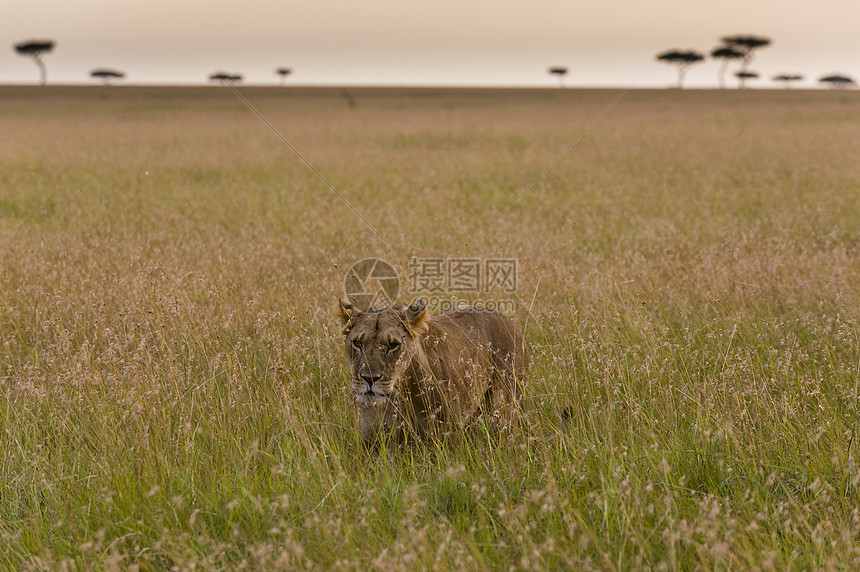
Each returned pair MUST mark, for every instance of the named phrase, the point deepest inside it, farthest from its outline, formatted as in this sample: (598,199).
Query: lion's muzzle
(371,389)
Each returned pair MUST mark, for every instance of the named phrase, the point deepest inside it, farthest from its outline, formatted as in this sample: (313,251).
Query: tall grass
(172,386)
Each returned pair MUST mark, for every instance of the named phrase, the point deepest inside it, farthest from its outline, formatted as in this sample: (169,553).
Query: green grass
(172,386)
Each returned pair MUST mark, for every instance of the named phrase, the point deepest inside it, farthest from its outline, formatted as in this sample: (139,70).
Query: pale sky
(443,42)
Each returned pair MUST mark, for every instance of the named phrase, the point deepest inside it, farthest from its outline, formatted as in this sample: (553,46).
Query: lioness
(413,373)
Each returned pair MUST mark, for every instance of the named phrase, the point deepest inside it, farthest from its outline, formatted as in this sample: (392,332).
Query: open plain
(173,390)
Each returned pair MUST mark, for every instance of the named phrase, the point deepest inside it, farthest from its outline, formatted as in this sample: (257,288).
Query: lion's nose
(371,378)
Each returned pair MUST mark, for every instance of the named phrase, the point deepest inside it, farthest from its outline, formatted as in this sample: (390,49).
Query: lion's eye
(356,344)
(393,346)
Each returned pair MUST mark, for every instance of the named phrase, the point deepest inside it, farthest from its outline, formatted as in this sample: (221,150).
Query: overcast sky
(440,42)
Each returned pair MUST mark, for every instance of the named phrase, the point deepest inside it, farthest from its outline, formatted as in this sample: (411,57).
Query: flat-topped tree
(559,71)
(743,76)
(787,78)
(837,81)
(283,73)
(107,76)
(35,49)
(681,58)
(747,45)
(227,78)
(726,54)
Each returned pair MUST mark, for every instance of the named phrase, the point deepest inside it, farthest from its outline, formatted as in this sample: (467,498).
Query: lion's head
(380,342)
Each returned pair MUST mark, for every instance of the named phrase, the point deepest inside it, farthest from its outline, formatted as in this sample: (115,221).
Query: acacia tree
(560,71)
(35,49)
(228,78)
(787,78)
(747,45)
(283,72)
(107,76)
(682,59)
(726,54)
(837,81)
(743,76)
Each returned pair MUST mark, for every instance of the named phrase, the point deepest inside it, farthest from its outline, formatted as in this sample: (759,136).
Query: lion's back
(488,329)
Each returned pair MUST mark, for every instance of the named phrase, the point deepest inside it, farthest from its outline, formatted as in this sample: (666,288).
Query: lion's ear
(417,316)
(347,310)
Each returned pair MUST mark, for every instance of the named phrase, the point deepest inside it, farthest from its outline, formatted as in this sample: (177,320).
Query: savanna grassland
(173,391)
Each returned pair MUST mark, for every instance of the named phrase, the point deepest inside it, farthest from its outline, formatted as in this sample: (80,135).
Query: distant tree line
(36,49)
(739,48)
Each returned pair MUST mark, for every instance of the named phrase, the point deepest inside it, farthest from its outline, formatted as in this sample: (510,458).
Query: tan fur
(432,374)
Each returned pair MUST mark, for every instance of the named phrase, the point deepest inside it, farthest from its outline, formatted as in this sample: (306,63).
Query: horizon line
(773,85)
